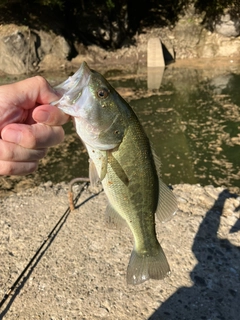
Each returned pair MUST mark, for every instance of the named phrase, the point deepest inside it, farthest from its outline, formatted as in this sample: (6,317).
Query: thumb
(32,91)
(50,115)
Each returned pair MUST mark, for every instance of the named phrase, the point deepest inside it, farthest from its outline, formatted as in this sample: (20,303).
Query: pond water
(192,120)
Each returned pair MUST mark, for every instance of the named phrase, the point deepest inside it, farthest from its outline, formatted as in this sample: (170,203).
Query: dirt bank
(81,273)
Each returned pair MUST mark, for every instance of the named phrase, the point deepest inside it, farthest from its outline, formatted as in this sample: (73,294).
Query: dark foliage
(107,23)
(214,9)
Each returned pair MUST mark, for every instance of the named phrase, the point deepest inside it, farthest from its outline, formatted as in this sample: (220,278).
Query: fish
(123,160)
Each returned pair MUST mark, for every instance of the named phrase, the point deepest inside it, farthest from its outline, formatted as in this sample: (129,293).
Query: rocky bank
(27,50)
(81,271)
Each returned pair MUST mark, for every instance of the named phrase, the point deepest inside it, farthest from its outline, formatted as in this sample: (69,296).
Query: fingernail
(12,135)
(41,116)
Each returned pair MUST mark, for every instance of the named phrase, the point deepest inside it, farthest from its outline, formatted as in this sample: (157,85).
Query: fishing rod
(50,236)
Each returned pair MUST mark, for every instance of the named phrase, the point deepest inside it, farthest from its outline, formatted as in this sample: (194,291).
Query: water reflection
(192,120)
(154,77)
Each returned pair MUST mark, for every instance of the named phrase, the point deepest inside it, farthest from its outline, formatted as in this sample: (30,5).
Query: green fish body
(122,159)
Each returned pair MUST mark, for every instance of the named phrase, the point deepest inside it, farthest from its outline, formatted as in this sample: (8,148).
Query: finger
(50,115)
(12,152)
(28,92)
(36,136)
(17,168)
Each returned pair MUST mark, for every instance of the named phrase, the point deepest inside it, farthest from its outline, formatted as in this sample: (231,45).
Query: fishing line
(50,236)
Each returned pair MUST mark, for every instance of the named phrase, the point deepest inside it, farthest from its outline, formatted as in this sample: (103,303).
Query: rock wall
(190,39)
(25,50)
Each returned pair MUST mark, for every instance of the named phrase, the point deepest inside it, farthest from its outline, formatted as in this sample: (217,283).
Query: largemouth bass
(122,159)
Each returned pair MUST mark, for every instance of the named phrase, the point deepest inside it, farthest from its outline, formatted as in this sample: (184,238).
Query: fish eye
(103,93)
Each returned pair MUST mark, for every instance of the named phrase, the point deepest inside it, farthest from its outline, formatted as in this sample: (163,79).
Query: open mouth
(72,89)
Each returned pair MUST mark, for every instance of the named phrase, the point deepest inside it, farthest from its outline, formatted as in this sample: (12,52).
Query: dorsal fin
(167,202)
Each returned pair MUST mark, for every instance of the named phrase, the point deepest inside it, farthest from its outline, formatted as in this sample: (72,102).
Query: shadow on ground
(215,294)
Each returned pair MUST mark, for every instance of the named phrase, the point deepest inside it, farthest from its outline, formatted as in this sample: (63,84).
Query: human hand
(28,124)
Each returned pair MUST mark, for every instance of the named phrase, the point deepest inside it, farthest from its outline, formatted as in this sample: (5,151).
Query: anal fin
(113,218)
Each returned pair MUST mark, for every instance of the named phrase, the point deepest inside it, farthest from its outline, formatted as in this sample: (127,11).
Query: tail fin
(144,267)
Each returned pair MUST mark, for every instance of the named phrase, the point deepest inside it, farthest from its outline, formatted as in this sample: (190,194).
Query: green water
(192,121)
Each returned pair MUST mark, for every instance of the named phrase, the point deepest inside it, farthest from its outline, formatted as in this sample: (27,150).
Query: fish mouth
(71,89)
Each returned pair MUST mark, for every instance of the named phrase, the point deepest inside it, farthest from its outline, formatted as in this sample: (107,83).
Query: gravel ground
(81,272)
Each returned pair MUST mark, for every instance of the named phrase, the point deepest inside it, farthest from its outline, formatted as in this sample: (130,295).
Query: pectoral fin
(117,168)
